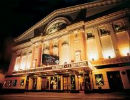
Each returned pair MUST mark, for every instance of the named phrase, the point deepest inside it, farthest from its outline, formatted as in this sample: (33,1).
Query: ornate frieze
(107,18)
(23,45)
(67,10)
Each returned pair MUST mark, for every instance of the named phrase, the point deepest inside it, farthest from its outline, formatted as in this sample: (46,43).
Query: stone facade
(92,53)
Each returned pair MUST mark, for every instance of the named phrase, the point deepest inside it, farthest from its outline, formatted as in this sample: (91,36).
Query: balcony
(52,68)
(119,60)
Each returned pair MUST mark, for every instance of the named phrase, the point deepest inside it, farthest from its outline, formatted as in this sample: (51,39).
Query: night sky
(16,16)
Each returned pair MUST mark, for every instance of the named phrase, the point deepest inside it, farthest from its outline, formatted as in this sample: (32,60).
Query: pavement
(66,96)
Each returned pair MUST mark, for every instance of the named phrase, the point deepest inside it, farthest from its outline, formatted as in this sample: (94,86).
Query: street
(65,96)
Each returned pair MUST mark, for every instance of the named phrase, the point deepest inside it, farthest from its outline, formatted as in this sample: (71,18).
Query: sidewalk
(114,95)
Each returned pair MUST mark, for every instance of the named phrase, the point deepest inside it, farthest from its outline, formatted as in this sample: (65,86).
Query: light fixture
(79,76)
(109,57)
(128,54)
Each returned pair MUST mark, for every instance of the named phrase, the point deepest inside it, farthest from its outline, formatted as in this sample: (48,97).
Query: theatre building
(79,48)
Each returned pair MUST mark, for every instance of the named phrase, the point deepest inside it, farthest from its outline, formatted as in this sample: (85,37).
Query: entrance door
(27,83)
(87,83)
(81,82)
(114,79)
(34,83)
(53,83)
(66,83)
(45,83)
(73,87)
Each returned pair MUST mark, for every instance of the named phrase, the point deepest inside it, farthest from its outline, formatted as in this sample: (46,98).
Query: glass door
(66,83)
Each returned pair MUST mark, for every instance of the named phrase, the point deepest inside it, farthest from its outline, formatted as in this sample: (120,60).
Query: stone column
(61,79)
(76,82)
(30,84)
(114,40)
(39,55)
(91,80)
(33,51)
(39,83)
(83,46)
(98,42)
(12,64)
(59,50)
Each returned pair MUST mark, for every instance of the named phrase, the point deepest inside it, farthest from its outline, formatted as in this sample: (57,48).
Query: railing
(111,61)
(76,65)
(53,67)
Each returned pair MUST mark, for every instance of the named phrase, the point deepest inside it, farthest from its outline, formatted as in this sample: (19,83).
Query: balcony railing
(53,67)
(75,65)
(124,59)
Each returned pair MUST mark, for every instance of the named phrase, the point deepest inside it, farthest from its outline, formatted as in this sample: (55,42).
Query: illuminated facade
(83,47)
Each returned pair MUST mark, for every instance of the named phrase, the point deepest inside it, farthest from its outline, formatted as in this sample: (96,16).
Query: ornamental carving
(56,25)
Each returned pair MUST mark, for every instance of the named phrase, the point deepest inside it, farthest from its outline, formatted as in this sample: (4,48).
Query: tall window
(17,64)
(77,56)
(23,63)
(55,50)
(90,35)
(104,31)
(29,58)
(46,50)
(119,26)
(65,50)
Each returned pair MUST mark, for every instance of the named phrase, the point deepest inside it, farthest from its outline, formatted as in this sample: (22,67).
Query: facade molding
(65,10)
(107,18)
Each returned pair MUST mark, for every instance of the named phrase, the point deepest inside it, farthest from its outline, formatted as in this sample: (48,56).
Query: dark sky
(16,16)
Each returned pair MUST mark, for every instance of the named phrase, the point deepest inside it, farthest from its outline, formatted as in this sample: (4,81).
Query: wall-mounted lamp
(109,57)
(92,59)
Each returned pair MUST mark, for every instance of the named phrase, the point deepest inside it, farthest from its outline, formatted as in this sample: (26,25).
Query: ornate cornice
(66,10)
(107,18)
(21,46)
(111,61)
(64,31)
(68,29)
(36,39)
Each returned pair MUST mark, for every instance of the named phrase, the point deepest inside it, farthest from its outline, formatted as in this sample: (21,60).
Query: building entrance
(45,83)
(55,83)
(81,82)
(66,83)
(34,83)
(114,79)
(31,83)
(87,83)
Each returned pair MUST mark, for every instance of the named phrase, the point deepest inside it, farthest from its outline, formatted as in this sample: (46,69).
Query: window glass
(99,79)
(10,83)
(90,35)
(77,56)
(104,31)
(14,82)
(17,64)
(22,82)
(119,26)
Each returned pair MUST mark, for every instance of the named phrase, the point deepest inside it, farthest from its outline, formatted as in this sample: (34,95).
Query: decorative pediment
(55,26)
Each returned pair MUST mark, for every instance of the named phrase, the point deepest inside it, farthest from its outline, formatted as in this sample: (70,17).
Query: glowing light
(91,66)
(16,68)
(92,56)
(28,64)
(17,64)
(23,63)
(65,54)
(108,54)
(125,51)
